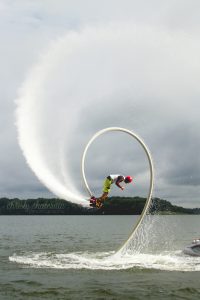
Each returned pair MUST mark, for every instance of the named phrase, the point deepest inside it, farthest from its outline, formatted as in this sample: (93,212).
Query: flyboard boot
(100,201)
(96,202)
(93,201)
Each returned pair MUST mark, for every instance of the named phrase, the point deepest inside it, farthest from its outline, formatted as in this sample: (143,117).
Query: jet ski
(193,249)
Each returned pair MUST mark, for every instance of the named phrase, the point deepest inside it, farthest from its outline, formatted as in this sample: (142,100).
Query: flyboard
(150,190)
(95,203)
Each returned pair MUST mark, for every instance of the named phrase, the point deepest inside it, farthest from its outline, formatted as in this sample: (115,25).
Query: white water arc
(150,190)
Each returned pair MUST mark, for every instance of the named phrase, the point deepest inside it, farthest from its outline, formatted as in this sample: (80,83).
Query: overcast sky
(133,64)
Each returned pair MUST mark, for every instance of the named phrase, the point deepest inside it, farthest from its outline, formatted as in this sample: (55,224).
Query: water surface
(73,257)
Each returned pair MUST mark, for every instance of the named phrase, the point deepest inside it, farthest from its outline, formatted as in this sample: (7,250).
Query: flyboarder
(117,179)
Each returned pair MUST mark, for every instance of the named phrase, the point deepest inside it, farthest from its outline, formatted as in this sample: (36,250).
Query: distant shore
(113,206)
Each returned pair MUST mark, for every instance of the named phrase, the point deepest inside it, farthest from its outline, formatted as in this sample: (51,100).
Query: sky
(71,68)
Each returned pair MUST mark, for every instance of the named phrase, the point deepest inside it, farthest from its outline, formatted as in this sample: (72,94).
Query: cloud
(134,66)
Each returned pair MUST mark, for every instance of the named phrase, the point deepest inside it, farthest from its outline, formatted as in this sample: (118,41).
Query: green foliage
(163,206)
(124,205)
(112,206)
(39,206)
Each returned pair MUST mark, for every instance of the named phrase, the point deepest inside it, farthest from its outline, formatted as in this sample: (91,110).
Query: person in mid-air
(117,179)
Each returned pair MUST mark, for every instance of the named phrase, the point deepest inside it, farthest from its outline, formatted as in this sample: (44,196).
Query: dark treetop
(113,206)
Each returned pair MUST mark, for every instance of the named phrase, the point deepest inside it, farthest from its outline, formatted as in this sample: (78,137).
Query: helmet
(128,179)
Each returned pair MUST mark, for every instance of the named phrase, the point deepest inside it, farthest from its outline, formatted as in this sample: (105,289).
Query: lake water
(73,257)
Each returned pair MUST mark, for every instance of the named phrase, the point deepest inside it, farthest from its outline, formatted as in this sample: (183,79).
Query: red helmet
(128,179)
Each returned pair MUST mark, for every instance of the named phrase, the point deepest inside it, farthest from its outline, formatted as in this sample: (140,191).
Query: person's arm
(120,179)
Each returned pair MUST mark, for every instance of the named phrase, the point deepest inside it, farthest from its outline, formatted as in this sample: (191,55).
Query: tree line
(113,206)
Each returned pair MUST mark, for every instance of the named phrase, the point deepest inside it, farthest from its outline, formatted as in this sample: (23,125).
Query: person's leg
(104,196)
(106,190)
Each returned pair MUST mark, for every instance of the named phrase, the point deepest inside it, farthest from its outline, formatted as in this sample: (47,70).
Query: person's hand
(122,188)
